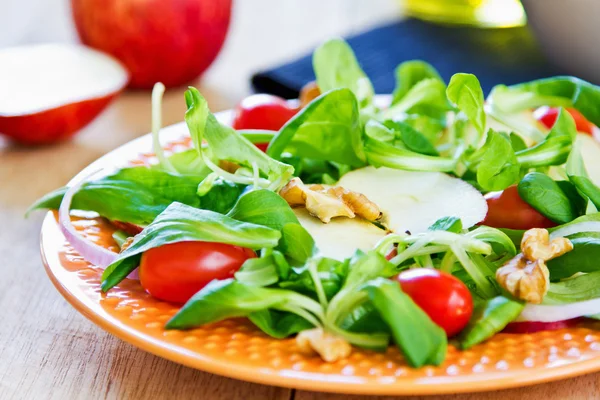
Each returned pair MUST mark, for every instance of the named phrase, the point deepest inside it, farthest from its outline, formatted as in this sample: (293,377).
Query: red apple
(49,92)
(168,41)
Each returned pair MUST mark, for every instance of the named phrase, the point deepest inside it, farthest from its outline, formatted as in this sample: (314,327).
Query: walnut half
(329,202)
(526,275)
(331,348)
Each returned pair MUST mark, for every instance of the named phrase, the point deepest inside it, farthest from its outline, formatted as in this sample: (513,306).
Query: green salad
(428,217)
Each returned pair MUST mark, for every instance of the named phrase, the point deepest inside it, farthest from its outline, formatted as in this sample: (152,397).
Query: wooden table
(47,349)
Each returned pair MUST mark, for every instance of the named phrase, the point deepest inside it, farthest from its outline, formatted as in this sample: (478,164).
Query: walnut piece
(329,202)
(526,280)
(308,93)
(331,348)
(526,275)
(536,245)
(127,243)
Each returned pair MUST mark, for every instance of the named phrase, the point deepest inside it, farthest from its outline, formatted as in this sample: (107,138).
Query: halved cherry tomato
(506,209)
(262,111)
(549,115)
(442,296)
(175,272)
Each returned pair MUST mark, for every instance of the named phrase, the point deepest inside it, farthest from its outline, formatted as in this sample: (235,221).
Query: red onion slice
(92,252)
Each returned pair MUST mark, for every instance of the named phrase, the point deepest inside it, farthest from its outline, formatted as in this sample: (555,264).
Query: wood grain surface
(47,349)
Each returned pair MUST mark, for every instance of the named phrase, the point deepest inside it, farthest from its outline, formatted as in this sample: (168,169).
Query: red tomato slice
(506,209)
(442,296)
(175,272)
(262,146)
(262,111)
(535,326)
(549,115)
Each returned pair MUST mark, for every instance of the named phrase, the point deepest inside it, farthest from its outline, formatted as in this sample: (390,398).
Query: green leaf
(381,154)
(408,74)
(179,223)
(327,129)
(547,197)
(336,67)
(559,91)
(450,224)
(331,273)
(224,143)
(580,288)
(223,299)
(498,168)
(586,187)
(583,258)
(417,336)
(429,93)
(465,92)
(136,195)
(413,139)
(222,195)
(279,324)
(365,319)
(555,149)
(517,142)
(263,207)
(489,318)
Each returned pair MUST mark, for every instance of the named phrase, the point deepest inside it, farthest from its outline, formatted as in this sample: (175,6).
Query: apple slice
(48,92)
(341,237)
(413,201)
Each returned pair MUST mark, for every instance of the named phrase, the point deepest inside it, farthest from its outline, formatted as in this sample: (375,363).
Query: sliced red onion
(536,326)
(553,313)
(92,252)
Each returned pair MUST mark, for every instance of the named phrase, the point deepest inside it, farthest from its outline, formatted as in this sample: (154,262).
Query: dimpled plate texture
(236,349)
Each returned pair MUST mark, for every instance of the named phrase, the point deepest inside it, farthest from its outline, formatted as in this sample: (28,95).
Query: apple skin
(168,41)
(55,124)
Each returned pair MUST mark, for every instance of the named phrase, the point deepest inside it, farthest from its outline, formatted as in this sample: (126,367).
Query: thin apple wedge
(49,92)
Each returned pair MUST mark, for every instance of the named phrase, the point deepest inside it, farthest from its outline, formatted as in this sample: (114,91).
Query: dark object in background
(495,56)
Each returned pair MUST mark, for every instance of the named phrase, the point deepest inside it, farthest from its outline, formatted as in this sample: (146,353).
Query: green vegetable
(430,92)
(498,168)
(555,148)
(586,187)
(580,288)
(330,272)
(465,92)
(365,319)
(419,338)
(223,299)
(563,91)
(381,154)
(180,223)
(136,195)
(489,318)
(336,67)
(261,271)
(408,74)
(327,129)
(450,224)
(548,198)
(279,324)
(412,139)
(583,258)
(517,142)
(263,207)
(224,143)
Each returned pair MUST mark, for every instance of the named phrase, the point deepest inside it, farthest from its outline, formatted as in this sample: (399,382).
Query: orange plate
(236,349)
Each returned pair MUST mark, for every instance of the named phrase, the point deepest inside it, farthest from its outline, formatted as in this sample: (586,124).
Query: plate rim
(419,386)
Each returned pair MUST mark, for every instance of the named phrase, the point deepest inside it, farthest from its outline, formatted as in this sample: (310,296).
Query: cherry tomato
(175,272)
(262,146)
(442,296)
(262,111)
(549,115)
(506,209)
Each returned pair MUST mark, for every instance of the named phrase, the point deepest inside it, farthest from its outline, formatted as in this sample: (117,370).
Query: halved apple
(49,92)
